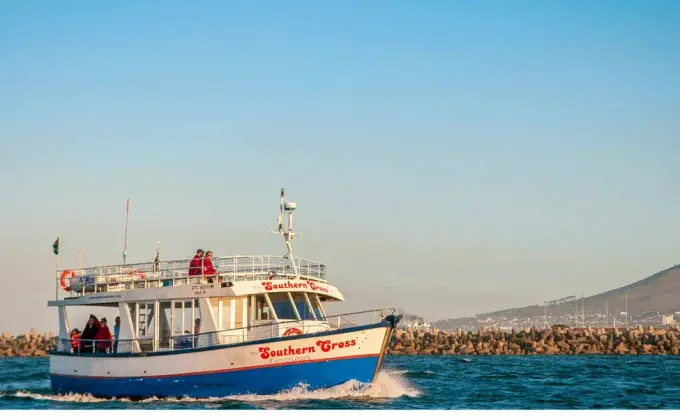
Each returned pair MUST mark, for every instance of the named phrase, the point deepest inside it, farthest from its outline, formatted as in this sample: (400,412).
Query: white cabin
(249,298)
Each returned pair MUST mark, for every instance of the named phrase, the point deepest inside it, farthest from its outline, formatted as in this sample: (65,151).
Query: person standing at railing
(196,265)
(208,269)
(75,339)
(103,337)
(89,333)
(116,332)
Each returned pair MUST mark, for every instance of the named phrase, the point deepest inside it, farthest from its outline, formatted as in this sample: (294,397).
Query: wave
(386,386)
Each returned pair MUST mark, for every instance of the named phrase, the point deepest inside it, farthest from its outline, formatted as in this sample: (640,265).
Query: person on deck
(89,333)
(196,265)
(75,339)
(208,269)
(116,332)
(103,337)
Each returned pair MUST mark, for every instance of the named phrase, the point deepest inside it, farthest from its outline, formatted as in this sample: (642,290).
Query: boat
(257,325)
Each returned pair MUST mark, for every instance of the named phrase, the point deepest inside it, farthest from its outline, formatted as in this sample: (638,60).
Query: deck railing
(172,273)
(220,338)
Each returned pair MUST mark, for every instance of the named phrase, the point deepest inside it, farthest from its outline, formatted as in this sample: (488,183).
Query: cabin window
(165,324)
(197,315)
(132,308)
(178,318)
(188,323)
(146,320)
(315,306)
(302,306)
(282,306)
(261,309)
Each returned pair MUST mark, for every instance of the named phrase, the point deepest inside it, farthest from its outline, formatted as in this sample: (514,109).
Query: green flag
(55,246)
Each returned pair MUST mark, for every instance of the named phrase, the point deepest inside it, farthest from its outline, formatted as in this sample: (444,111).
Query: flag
(55,246)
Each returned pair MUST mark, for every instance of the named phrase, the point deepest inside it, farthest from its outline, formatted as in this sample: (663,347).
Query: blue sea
(453,382)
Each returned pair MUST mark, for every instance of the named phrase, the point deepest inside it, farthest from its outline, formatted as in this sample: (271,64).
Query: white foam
(387,386)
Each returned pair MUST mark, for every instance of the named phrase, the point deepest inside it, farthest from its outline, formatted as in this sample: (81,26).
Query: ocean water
(453,382)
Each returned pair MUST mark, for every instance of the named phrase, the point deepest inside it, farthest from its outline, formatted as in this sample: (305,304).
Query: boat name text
(270,285)
(324,345)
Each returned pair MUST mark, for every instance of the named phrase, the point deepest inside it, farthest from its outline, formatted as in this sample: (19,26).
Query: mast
(289,235)
(127,214)
(607,314)
(157,260)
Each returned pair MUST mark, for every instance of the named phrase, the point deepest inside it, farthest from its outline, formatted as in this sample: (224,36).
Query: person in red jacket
(208,269)
(104,338)
(196,265)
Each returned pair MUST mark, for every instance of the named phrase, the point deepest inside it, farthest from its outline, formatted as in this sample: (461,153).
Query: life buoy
(271,275)
(70,274)
(292,331)
(136,273)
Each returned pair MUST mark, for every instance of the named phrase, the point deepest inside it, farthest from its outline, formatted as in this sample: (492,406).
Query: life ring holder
(70,274)
(136,274)
(292,331)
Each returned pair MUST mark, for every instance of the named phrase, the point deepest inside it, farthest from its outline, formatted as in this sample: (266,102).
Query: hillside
(657,293)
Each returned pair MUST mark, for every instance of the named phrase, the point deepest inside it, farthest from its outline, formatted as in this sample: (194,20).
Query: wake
(388,385)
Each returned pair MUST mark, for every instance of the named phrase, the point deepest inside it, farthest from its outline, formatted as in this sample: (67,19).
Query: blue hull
(263,381)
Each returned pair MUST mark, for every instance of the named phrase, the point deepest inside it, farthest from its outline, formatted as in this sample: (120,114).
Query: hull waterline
(262,367)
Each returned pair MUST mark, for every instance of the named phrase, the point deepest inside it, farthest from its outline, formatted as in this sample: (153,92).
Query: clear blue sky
(447,157)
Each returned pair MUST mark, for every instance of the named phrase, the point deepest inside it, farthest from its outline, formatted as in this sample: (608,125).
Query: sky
(447,158)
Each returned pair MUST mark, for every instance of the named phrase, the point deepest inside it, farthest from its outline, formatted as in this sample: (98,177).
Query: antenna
(289,236)
(127,213)
(157,260)
(281,214)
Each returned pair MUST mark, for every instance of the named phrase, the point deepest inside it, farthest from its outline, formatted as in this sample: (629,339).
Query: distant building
(413,323)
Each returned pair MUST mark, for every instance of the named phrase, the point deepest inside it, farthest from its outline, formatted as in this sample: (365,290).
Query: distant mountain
(658,293)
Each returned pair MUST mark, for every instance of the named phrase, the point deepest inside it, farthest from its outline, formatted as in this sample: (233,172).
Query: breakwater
(30,344)
(530,341)
(554,340)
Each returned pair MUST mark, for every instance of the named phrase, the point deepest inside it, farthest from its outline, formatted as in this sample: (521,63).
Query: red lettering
(264,352)
(268,285)
(327,346)
(314,286)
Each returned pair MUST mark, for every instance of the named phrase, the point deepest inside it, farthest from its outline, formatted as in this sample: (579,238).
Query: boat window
(302,306)
(282,306)
(146,320)
(178,318)
(165,324)
(261,309)
(132,308)
(315,305)
(188,323)
(197,315)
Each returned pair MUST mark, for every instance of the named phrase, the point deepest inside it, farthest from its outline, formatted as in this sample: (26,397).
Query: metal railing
(173,273)
(221,338)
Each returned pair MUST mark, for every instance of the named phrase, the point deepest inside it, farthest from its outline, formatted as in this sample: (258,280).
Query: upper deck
(232,269)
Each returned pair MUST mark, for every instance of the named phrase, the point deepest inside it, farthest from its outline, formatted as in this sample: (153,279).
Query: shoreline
(555,340)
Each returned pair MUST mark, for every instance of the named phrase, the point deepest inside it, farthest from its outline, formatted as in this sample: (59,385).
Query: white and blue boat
(262,328)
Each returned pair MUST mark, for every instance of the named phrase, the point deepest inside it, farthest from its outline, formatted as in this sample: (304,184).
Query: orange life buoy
(136,273)
(71,275)
(292,331)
